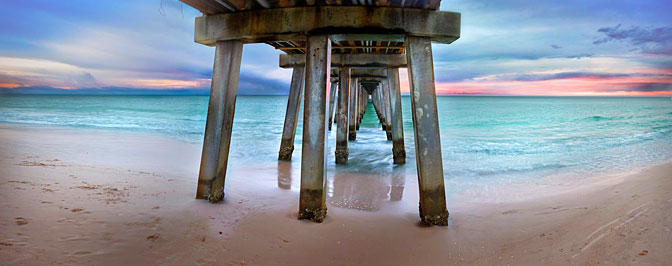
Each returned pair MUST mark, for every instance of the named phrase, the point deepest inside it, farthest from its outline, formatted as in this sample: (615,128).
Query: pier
(348,50)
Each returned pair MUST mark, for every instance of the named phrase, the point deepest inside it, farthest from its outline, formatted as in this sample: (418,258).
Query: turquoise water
(484,139)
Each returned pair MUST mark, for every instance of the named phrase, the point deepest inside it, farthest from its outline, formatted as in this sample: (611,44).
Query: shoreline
(553,181)
(88,196)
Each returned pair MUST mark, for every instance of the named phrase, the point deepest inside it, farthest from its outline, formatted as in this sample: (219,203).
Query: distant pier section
(344,54)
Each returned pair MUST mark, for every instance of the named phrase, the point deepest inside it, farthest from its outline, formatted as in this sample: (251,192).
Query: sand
(86,196)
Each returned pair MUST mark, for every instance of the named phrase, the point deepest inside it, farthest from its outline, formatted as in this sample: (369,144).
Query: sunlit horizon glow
(597,48)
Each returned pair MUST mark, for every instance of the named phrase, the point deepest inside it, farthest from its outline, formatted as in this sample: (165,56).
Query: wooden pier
(358,45)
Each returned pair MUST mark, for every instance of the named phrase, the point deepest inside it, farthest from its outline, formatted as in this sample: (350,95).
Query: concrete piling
(362,105)
(342,116)
(374,102)
(332,98)
(313,160)
(352,131)
(381,106)
(387,110)
(219,122)
(398,150)
(426,130)
(358,109)
(292,114)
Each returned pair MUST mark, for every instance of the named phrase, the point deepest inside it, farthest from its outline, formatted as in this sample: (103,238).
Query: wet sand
(85,196)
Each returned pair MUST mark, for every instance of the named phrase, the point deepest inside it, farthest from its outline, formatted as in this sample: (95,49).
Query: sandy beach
(88,196)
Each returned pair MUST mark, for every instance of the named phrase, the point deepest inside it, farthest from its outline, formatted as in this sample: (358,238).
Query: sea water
(484,140)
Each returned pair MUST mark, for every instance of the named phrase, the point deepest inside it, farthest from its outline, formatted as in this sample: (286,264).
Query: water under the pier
(486,141)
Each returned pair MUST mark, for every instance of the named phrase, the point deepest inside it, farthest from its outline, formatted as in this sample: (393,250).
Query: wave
(601,118)
(518,170)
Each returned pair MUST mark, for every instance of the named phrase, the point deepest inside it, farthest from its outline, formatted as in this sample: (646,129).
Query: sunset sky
(508,47)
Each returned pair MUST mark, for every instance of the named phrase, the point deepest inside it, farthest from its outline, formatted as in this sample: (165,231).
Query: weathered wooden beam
(219,122)
(312,196)
(344,22)
(398,149)
(292,114)
(349,60)
(343,121)
(426,128)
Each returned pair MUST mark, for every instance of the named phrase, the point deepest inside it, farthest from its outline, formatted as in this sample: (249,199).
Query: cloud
(651,87)
(101,91)
(575,75)
(134,44)
(650,41)
(254,84)
(579,56)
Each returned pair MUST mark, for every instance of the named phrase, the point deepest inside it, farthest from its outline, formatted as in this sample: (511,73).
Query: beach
(95,196)
(217,132)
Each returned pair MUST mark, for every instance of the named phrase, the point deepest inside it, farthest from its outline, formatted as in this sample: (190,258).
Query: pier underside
(350,52)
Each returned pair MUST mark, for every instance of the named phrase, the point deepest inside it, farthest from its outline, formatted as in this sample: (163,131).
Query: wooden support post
(332,97)
(387,109)
(221,108)
(292,114)
(352,132)
(342,116)
(426,128)
(313,158)
(398,150)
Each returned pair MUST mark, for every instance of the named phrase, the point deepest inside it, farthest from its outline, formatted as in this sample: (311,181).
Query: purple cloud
(649,41)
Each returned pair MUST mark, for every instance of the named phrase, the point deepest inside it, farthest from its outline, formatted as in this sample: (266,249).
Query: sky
(507,47)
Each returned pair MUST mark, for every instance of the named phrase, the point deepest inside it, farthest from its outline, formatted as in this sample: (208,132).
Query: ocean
(485,140)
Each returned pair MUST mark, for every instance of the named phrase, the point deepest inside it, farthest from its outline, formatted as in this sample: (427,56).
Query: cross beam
(340,22)
(349,60)
(364,73)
